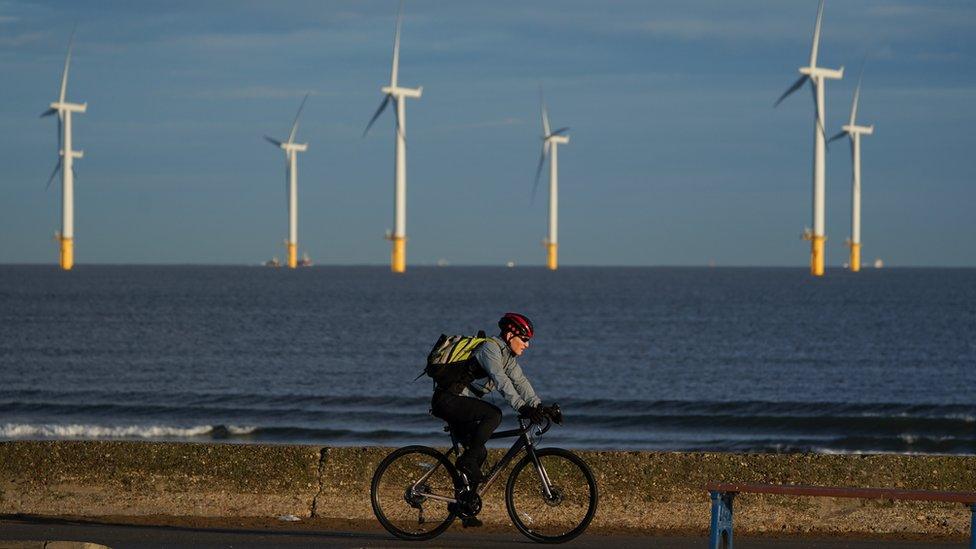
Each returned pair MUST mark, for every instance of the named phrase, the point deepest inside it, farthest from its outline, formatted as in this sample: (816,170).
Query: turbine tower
(550,147)
(66,157)
(817,76)
(854,132)
(291,183)
(396,94)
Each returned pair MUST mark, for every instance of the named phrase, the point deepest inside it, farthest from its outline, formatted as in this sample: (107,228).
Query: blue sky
(677,156)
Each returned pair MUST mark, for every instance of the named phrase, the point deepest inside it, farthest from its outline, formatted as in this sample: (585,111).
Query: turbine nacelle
(294,147)
(557,139)
(69,107)
(396,91)
(820,72)
(863,130)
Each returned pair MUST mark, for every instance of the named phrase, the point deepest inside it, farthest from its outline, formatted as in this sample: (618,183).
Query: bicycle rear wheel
(566,510)
(410,492)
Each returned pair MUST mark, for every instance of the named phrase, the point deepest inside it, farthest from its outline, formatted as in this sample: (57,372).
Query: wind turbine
(854,132)
(396,94)
(551,139)
(817,76)
(66,163)
(291,183)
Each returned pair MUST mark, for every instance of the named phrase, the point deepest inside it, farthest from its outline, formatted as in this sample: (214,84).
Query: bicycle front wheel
(554,501)
(411,490)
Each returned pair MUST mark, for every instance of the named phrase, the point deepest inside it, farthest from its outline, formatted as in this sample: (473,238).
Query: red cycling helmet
(519,324)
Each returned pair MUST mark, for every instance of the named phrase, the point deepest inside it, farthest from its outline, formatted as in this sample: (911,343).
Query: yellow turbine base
(817,255)
(67,253)
(292,255)
(855,257)
(551,254)
(398,259)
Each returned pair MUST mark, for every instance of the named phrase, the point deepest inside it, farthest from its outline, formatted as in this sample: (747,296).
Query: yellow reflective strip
(462,350)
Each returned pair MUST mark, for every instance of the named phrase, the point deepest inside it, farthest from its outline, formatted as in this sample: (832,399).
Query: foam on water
(50,430)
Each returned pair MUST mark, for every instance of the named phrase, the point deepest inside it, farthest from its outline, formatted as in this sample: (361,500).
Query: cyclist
(460,403)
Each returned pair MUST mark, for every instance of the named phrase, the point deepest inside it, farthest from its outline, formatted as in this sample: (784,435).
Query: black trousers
(470,417)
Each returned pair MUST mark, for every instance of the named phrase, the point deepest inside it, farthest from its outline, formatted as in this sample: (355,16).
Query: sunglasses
(524,339)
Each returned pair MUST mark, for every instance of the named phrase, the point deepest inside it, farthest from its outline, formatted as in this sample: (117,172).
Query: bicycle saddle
(458,434)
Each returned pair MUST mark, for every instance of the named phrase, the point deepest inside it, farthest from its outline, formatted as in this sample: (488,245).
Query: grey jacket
(504,374)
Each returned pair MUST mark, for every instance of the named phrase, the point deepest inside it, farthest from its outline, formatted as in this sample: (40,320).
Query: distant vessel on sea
(878,263)
(305,261)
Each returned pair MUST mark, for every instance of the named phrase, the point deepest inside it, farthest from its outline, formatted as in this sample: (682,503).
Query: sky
(677,156)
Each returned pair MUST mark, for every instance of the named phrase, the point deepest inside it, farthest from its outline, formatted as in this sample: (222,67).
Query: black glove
(532,413)
(554,413)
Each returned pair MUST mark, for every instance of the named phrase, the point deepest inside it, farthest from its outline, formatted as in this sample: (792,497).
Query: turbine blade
(57,168)
(837,136)
(49,112)
(816,35)
(560,131)
(274,142)
(816,109)
(857,92)
(67,65)
(396,47)
(379,111)
(294,127)
(795,86)
(538,172)
(396,114)
(545,114)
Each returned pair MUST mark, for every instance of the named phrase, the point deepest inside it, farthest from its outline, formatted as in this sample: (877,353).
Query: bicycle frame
(524,442)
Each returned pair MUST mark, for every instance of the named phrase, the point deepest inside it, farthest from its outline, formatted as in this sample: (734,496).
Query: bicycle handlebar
(553,412)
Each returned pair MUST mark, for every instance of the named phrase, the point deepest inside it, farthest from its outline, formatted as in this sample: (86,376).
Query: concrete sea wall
(639,491)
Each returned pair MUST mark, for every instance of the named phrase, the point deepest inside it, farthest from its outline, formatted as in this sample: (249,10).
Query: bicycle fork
(543,475)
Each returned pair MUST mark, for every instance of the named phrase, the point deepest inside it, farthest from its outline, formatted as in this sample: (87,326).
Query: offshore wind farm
(491,156)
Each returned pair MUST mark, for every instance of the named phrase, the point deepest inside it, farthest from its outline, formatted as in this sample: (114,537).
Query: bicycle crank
(468,504)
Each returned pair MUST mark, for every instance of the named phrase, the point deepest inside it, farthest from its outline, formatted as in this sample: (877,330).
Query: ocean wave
(75,430)
(288,401)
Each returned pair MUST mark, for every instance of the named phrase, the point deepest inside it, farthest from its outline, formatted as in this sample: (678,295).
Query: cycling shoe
(471,522)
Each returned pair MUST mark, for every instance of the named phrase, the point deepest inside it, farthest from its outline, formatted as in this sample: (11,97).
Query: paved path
(146,536)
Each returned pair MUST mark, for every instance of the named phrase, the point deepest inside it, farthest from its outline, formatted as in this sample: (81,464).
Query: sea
(666,359)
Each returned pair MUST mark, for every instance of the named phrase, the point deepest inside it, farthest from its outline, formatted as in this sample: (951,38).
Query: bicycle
(551,494)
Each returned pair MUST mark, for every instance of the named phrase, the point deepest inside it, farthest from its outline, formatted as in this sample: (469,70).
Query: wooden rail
(722,495)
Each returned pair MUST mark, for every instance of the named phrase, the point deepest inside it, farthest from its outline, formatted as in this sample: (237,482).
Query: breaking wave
(80,431)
